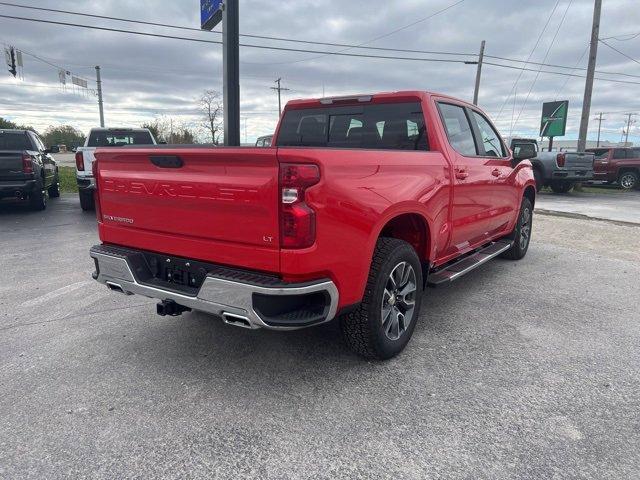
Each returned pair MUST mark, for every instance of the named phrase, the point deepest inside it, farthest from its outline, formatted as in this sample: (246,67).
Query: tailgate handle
(167,161)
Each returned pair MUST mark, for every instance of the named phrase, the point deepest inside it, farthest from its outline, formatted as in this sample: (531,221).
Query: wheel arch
(530,193)
(411,227)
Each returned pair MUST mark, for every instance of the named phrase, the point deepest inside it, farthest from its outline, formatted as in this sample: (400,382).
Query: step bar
(451,272)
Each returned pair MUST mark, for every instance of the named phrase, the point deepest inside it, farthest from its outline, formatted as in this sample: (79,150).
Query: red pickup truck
(621,165)
(359,204)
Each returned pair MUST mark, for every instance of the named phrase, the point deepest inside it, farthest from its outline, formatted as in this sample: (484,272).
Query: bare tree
(211,106)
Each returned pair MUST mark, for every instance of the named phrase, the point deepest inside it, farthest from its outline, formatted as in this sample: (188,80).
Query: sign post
(211,13)
(554,120)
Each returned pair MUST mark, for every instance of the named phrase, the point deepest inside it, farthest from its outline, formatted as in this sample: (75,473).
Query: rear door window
(619,153)
(118,139)
(599,153)
(376,127)
(458,129)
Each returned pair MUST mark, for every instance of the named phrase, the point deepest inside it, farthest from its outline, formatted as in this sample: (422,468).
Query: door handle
(496,172)
(462,174)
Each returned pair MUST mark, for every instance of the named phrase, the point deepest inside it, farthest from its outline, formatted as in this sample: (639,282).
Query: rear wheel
(628,180)
(561,187)
(383,323)
(54,190)
(521,235)
(86,200)
(38,198)
(537,175)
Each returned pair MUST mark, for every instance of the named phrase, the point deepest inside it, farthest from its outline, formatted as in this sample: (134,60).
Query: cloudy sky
(145,77)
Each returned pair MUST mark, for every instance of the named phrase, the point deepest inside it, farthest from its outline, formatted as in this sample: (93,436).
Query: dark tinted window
(634,153)
(14,141)
(383,126)
(599,153)
(458,129)
(619,153)
(118,139)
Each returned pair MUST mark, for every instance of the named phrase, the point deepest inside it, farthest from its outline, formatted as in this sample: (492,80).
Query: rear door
(600,162)
(211,204)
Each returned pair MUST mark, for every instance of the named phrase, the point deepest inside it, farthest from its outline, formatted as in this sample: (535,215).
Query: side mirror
(53,149)
(524,151)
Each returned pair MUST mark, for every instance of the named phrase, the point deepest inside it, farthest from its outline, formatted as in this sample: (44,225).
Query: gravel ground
(523,369)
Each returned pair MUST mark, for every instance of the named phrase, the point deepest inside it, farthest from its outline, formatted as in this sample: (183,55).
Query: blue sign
(210,13)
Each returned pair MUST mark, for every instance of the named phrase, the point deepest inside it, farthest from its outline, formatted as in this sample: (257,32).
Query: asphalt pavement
(525,369)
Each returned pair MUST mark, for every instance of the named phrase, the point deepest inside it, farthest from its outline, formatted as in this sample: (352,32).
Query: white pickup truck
(103,137)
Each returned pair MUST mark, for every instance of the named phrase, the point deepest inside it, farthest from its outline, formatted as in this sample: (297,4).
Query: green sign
(554,119)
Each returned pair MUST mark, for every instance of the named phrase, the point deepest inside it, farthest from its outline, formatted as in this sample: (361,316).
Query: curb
(555,213)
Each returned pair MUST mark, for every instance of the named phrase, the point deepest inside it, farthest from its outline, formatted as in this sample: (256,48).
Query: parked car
(27,169)
(103,137)
(264,141)
(617,165)
(364,201)
(558,170)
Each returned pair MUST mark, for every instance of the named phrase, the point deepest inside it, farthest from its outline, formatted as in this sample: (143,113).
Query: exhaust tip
(114,287)
(236,320)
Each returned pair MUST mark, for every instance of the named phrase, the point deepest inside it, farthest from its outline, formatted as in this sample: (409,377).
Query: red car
(361,203)
(617,165)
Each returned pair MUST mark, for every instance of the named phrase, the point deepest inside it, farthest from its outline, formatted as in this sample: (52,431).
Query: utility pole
(280,89)
(100,104)
(478,74)
(629,122)
(231,67)
(588,87)
(599,119)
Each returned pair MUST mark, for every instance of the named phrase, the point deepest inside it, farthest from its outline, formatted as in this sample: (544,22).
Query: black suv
(27,170)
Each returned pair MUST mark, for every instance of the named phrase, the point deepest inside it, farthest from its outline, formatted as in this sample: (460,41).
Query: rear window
(119,139)
(14,141)
(377,127)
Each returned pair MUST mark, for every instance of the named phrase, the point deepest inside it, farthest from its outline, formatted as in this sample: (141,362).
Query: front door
(471,212)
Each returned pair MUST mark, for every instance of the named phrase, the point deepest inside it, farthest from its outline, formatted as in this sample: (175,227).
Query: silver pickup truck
(558,170)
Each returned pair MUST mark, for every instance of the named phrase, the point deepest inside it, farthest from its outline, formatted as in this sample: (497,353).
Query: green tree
(8,124)
(63,135)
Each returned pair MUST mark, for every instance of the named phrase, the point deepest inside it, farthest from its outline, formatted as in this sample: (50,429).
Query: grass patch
(68,182)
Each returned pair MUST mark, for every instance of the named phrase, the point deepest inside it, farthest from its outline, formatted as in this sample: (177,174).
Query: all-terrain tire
(38,198)
(523,226)
(86,200)
(54,190)
(561,186)
(364,329)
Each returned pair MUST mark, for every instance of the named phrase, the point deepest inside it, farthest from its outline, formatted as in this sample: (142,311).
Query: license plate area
(172,273)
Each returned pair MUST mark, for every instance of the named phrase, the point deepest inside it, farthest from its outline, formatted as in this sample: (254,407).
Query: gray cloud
(144,77)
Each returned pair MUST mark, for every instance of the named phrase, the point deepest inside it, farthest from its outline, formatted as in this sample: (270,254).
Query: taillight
(96,192)
(297,219)
(561,159)
(80,161)
(27,164)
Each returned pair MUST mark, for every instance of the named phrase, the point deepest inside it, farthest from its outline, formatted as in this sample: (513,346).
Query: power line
(560,73)
(261,37)
(284,39)
(620,39)
(562,87)
(616,50)
(515,84)
(533,84)
(200,40)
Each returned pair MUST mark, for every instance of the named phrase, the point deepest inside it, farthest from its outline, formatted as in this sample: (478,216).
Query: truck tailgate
(579,161)
(212,204)
(10,165)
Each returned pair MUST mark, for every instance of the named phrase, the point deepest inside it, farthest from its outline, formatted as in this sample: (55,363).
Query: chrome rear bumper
(248,303)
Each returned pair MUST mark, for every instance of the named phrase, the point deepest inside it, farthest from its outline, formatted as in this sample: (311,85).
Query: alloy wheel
(399,301)
(525,228)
